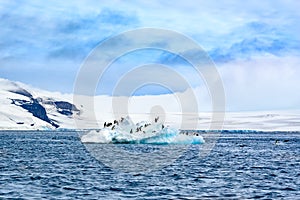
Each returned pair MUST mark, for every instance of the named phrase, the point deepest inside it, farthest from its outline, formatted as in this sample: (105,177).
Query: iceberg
(125,131)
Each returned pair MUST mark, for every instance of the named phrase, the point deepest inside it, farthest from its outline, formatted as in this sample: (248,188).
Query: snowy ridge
(23,107)
(26,108)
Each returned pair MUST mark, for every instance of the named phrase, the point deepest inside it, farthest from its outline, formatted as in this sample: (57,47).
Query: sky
(255,45)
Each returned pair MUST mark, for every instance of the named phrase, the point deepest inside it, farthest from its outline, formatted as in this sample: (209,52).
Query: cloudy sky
(255,45)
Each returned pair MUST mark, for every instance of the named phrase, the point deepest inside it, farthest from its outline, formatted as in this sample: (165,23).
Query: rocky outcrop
(65,108)
(35,109)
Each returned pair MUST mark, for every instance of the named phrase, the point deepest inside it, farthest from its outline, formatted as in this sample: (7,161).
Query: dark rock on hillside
(65,112)
(35,108)
(65,105)
(65,108)
(22,92)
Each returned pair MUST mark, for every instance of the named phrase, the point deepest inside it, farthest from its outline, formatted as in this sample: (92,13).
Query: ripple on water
(56,164)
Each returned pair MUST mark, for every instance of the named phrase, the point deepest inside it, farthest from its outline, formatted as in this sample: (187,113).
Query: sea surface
(241,165)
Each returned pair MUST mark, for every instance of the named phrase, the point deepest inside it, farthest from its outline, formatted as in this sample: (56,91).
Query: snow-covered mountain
(23,107)
(26,108)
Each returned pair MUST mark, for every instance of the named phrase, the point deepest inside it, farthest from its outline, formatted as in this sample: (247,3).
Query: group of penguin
(138,129)
(112,125)
(189,134)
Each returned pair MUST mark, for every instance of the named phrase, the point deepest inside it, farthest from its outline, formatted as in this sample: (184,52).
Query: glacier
(23,107)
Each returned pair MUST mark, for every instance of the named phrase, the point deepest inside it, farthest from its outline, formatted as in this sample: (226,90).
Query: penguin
(104,124)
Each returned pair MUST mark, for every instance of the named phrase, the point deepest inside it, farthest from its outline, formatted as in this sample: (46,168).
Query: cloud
(49,32)
(115,17)
(263,83)
(51,40)
(249,48)
(247,41)
(256,38)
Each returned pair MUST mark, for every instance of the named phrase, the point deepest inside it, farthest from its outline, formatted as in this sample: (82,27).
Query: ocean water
(56,165)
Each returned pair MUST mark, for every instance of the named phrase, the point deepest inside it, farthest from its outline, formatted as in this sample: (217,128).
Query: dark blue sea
(56,165)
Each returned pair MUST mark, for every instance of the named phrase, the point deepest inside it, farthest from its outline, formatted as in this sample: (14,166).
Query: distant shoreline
(198,131)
